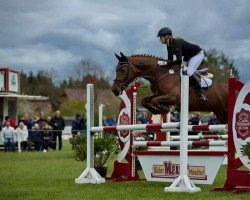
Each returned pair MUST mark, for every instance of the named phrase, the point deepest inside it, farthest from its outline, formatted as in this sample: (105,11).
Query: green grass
(51,175)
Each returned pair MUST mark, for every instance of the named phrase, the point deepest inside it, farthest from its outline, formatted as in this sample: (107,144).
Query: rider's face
(164,39)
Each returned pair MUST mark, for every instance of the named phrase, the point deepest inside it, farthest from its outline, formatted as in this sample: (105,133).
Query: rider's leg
(193,64)
(195,80)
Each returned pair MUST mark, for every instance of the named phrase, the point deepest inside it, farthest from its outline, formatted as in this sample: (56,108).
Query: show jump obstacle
(179,173)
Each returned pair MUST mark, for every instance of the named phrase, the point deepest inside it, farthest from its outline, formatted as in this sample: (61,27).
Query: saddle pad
(206,82)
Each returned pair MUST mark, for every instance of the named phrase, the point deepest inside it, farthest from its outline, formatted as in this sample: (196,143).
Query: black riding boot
(194,79)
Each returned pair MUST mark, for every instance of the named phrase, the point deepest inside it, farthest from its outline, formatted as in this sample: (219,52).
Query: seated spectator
(143,118)
(138,135)
(28,121)
(176,116)
(10,120)
(104,121)
(8,137)
(35,138)
(113,121)
(194,120)
(213,119)
(22,135)
(47,137)
(42,121)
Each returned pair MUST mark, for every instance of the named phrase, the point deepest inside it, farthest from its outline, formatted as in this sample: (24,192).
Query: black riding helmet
(164,31)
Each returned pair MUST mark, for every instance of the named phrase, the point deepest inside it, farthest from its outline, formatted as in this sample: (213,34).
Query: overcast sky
(37,34)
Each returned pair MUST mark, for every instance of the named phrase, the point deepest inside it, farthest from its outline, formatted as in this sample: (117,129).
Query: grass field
(38,175)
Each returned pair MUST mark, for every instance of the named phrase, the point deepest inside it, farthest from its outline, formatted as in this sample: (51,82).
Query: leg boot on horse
(196,82)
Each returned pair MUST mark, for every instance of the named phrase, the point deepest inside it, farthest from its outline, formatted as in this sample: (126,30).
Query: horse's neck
(144,66)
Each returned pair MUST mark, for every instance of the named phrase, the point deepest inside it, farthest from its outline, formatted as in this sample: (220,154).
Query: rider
(191,53)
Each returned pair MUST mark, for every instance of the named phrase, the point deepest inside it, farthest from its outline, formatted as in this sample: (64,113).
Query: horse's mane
(147,56)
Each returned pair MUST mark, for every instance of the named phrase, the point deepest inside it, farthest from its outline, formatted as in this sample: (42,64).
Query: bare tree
(88,67)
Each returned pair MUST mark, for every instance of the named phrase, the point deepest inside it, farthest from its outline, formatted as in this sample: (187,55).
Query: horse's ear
(124,58)
(118,57)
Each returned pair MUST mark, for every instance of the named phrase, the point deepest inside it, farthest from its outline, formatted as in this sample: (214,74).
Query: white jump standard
(90,175)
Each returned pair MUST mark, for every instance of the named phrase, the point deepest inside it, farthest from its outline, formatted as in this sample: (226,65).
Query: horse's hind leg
(146,103)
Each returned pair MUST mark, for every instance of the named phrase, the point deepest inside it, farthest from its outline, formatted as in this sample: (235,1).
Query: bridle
(123,84)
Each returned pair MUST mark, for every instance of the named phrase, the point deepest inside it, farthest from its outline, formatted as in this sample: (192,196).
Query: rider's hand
(162,63)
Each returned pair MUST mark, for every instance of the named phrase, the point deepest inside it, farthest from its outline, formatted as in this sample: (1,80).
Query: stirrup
(202,97)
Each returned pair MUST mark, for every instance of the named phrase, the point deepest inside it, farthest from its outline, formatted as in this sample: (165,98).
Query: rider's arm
(177,51)
(170,53)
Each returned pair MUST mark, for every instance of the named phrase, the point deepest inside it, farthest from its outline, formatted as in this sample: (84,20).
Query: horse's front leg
(164,102)
(146,103)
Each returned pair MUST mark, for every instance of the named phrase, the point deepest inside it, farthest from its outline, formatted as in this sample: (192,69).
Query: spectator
(75,128)
(22,135)
(176,116)
(105,121)
(113,121)
(10,120)
(8,137)
(82,125)
(28,121)
(46,137)
(139,136)
(194,120)
(35,138)
(213,119)
(143,118)
(42,121)
(75,125)
(58,124)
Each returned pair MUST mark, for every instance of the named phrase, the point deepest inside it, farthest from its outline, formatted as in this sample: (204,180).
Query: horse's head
(125,74)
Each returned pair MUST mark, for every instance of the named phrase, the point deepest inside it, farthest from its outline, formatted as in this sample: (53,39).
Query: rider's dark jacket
(181,48)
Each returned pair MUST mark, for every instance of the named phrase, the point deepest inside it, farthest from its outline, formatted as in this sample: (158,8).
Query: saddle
(204,73)
(203,77)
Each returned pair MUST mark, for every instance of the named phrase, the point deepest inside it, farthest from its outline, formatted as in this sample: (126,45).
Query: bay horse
(166,87)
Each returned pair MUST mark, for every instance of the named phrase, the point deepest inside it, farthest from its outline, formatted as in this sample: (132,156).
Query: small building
(10,94)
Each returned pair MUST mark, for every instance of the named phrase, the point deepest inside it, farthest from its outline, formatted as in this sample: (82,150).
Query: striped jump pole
(201,137)
(147,127)
(174,126)
(178,143)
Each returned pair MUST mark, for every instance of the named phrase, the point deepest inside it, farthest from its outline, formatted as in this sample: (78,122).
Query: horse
(166,87)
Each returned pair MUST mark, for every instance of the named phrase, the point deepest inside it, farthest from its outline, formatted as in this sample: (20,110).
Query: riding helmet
(164,31)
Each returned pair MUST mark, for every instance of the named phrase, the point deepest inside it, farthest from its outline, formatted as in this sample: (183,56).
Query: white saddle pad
(206,82)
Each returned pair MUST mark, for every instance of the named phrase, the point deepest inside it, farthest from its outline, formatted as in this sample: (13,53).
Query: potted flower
(104,148)
(245,150)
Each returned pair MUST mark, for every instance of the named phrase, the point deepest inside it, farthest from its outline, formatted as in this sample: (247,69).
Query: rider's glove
(162,63)
(184,63)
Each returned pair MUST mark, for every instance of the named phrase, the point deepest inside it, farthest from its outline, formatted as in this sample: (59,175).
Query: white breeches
(194,63)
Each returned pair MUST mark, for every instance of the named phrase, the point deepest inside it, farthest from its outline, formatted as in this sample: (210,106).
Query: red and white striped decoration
(163,127)
(177,143)
(202,137)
